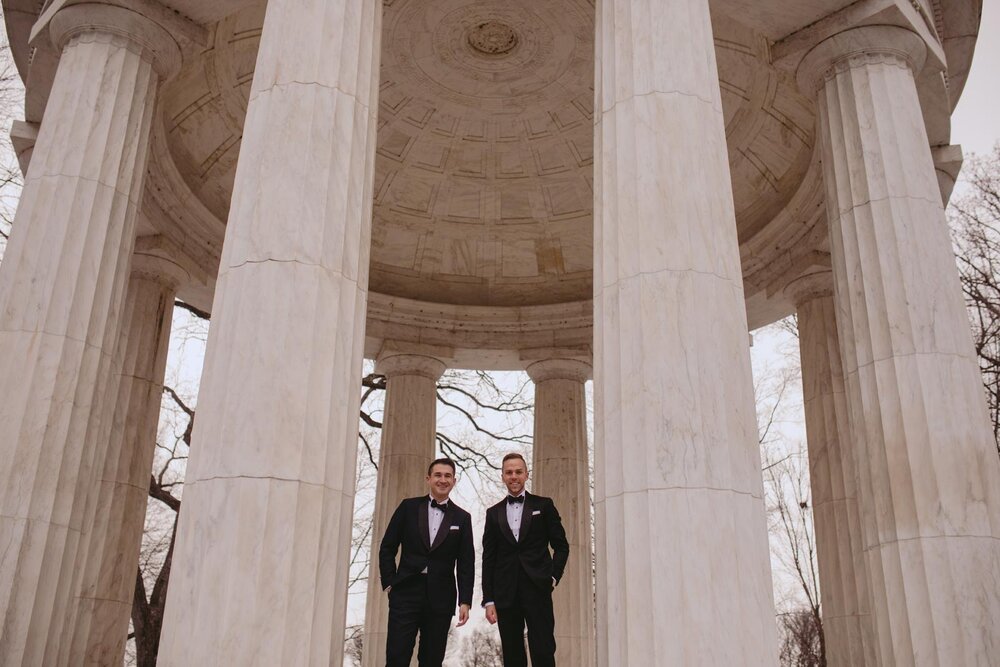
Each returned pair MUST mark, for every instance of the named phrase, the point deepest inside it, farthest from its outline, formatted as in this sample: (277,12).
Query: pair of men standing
(519,572)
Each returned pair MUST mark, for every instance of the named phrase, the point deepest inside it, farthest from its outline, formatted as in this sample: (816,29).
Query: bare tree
(482,649)
(11,105)
(975,223)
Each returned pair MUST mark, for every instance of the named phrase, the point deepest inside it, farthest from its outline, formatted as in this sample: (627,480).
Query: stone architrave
(112,552)
(847,622)
(407,446)
(560,469)
(263,545)
(62,285)
(928,470)
(683,574)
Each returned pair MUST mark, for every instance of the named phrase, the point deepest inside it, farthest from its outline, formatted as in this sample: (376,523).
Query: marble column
(263,548)
(560,469)
(844,590)
(683,572)
(104,600)
(407,446)
(62,283)
(928,470)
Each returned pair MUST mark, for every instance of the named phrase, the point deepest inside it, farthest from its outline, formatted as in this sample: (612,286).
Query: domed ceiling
(484,167)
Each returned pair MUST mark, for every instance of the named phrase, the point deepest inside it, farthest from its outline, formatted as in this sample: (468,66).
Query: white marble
(681,537)
(61,290)
(263,543)
(407,446)
(560,469)
(928,471)
(112,542)
(848,625)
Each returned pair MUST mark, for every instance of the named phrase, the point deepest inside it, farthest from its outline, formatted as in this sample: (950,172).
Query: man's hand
(463,615)
(491,614)
(388,589)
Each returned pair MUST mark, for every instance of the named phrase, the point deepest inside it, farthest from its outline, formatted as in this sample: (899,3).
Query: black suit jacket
(453,545)
(541,528)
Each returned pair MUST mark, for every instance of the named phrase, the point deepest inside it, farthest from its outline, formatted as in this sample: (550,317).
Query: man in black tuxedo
(435,534)
(519,573)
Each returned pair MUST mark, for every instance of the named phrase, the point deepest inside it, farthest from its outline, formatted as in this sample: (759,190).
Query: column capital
(810,286)
(159,269)
(398,363)
(154,42)
(878,43)
(560,369)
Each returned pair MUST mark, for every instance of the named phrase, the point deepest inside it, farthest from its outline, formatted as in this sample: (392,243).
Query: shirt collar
(442,502)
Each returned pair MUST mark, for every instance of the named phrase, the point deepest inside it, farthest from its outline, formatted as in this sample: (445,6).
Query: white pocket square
(536,512)
(455,527)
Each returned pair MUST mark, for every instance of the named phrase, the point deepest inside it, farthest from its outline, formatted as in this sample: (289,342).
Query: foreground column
(929,473)
(683,567)
(262,554)
(105,599)
(560,470)
(407,447)
(61,288)
(847,621)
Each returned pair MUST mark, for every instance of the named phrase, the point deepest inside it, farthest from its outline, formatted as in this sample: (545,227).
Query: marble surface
(62,284)
(560,469)
(928,471)
(409,424)
(269,491)
(676,442)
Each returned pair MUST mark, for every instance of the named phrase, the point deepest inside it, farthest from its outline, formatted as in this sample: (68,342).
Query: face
(441,481)
(515,474)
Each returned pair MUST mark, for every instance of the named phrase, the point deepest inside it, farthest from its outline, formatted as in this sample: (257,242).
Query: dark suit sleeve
(466,563)
(489,556)
(558,542)
(390,545)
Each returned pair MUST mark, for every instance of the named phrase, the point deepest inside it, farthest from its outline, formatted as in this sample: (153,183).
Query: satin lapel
(504,524)
(444,528)
(529,504)
(422,525)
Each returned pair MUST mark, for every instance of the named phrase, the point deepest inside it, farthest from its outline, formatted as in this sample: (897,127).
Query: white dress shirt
(514,512)
(435,515)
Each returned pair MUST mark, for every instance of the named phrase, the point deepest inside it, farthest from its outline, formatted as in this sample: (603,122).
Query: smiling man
(519,572)
(436,536)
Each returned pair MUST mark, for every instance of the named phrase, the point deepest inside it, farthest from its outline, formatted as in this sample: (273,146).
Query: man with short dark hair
(436,535)
(519,572)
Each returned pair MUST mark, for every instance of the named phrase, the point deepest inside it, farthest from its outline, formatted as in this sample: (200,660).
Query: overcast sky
(976,121)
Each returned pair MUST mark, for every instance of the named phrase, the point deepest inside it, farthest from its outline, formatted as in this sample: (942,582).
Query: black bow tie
(515,500)
(439,506)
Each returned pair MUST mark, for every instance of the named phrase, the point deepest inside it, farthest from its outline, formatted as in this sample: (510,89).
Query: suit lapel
(529,504)
(501,509)
(422,526)
(443,528)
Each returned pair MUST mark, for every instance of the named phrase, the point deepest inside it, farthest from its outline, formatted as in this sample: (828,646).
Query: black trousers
(409,613)
(533,607)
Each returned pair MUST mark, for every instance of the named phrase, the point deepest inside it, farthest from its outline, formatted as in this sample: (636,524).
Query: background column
(844,591)
(560,469)
(113,544)
(409,426)
(61,288)
(928,467)
(683,572)
(263,547)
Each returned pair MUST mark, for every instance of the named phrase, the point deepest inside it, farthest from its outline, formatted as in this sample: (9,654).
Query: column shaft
(112,545)
(560,469)
(847,621)
(263,546)
(61,289)
(682,539)
(928,470)
(407,447)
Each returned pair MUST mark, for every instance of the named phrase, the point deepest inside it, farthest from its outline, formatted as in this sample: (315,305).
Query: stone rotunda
(619,190)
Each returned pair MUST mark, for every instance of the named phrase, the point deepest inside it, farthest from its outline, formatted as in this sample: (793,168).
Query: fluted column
(263,547)
(844,591)
(683,573)
(407,446)
(560,469)
(928,469)
(104,601)
(61,289)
